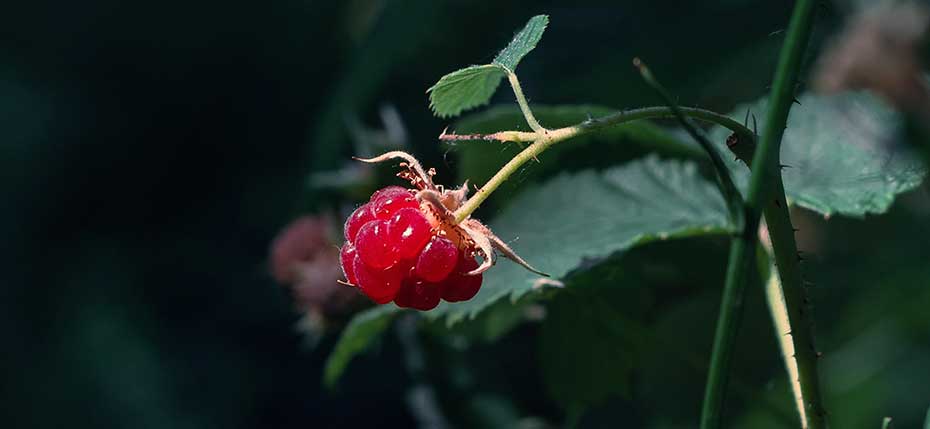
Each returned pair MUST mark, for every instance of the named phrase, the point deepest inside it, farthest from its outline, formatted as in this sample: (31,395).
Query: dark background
(151,150)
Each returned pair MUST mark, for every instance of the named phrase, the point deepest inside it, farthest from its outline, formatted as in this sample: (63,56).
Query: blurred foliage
(152,150)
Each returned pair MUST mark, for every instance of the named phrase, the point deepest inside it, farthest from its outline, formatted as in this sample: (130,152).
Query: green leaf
(574,220)
(927,420)
(464,89)
(523,42)
(364,328)
(583,353)
(842,154)
(473,86)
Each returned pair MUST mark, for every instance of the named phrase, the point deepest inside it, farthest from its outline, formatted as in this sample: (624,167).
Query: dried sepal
(505,250)
(435,200)
(482,242)
(500,246)
(418,176)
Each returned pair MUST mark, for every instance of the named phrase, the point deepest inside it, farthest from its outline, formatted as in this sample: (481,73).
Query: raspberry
(459,286)
(391,199)
(418,294)
(346,258)
(412,247)
(403,245)
(359,218)
(375,246)
(393,253)
(437,260)
(408,232)
(380,285)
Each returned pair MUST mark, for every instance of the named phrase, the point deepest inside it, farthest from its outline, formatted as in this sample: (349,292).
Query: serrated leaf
(464,89)
(364,328)
(583,354)
(523,42)
(842,154)
(573,220)
(473,86)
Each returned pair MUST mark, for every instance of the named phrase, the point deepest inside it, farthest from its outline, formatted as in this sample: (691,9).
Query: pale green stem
(543,140)
(778,308)
(524,105)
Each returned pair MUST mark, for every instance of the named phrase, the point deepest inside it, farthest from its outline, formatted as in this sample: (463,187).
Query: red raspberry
(418,294)
(459,286)
(398,251)
(390,234)
(437,260)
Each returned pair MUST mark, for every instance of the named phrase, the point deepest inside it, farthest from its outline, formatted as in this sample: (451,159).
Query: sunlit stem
(524,105)
(543,140)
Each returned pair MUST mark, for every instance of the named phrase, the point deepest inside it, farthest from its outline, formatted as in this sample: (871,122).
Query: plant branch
(597,124)
(739,264)
(775,296)
(767,195)
(766,183)
(543,140)
(724,180)
(787,261)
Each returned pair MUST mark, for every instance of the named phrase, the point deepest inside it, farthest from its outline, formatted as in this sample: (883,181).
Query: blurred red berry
(304,256)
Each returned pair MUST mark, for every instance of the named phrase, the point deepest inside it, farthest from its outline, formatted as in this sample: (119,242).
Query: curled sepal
(482,242)
(500,246)
(505,250)
(414,171)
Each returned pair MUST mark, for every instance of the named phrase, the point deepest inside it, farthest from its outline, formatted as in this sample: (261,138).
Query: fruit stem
(543,140)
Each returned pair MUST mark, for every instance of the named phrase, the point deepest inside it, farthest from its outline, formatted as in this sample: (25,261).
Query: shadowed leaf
(362,330)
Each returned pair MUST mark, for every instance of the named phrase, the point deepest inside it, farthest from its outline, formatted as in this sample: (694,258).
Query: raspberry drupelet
(404,245)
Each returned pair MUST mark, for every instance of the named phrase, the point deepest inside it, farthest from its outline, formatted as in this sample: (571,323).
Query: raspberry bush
(419,245)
